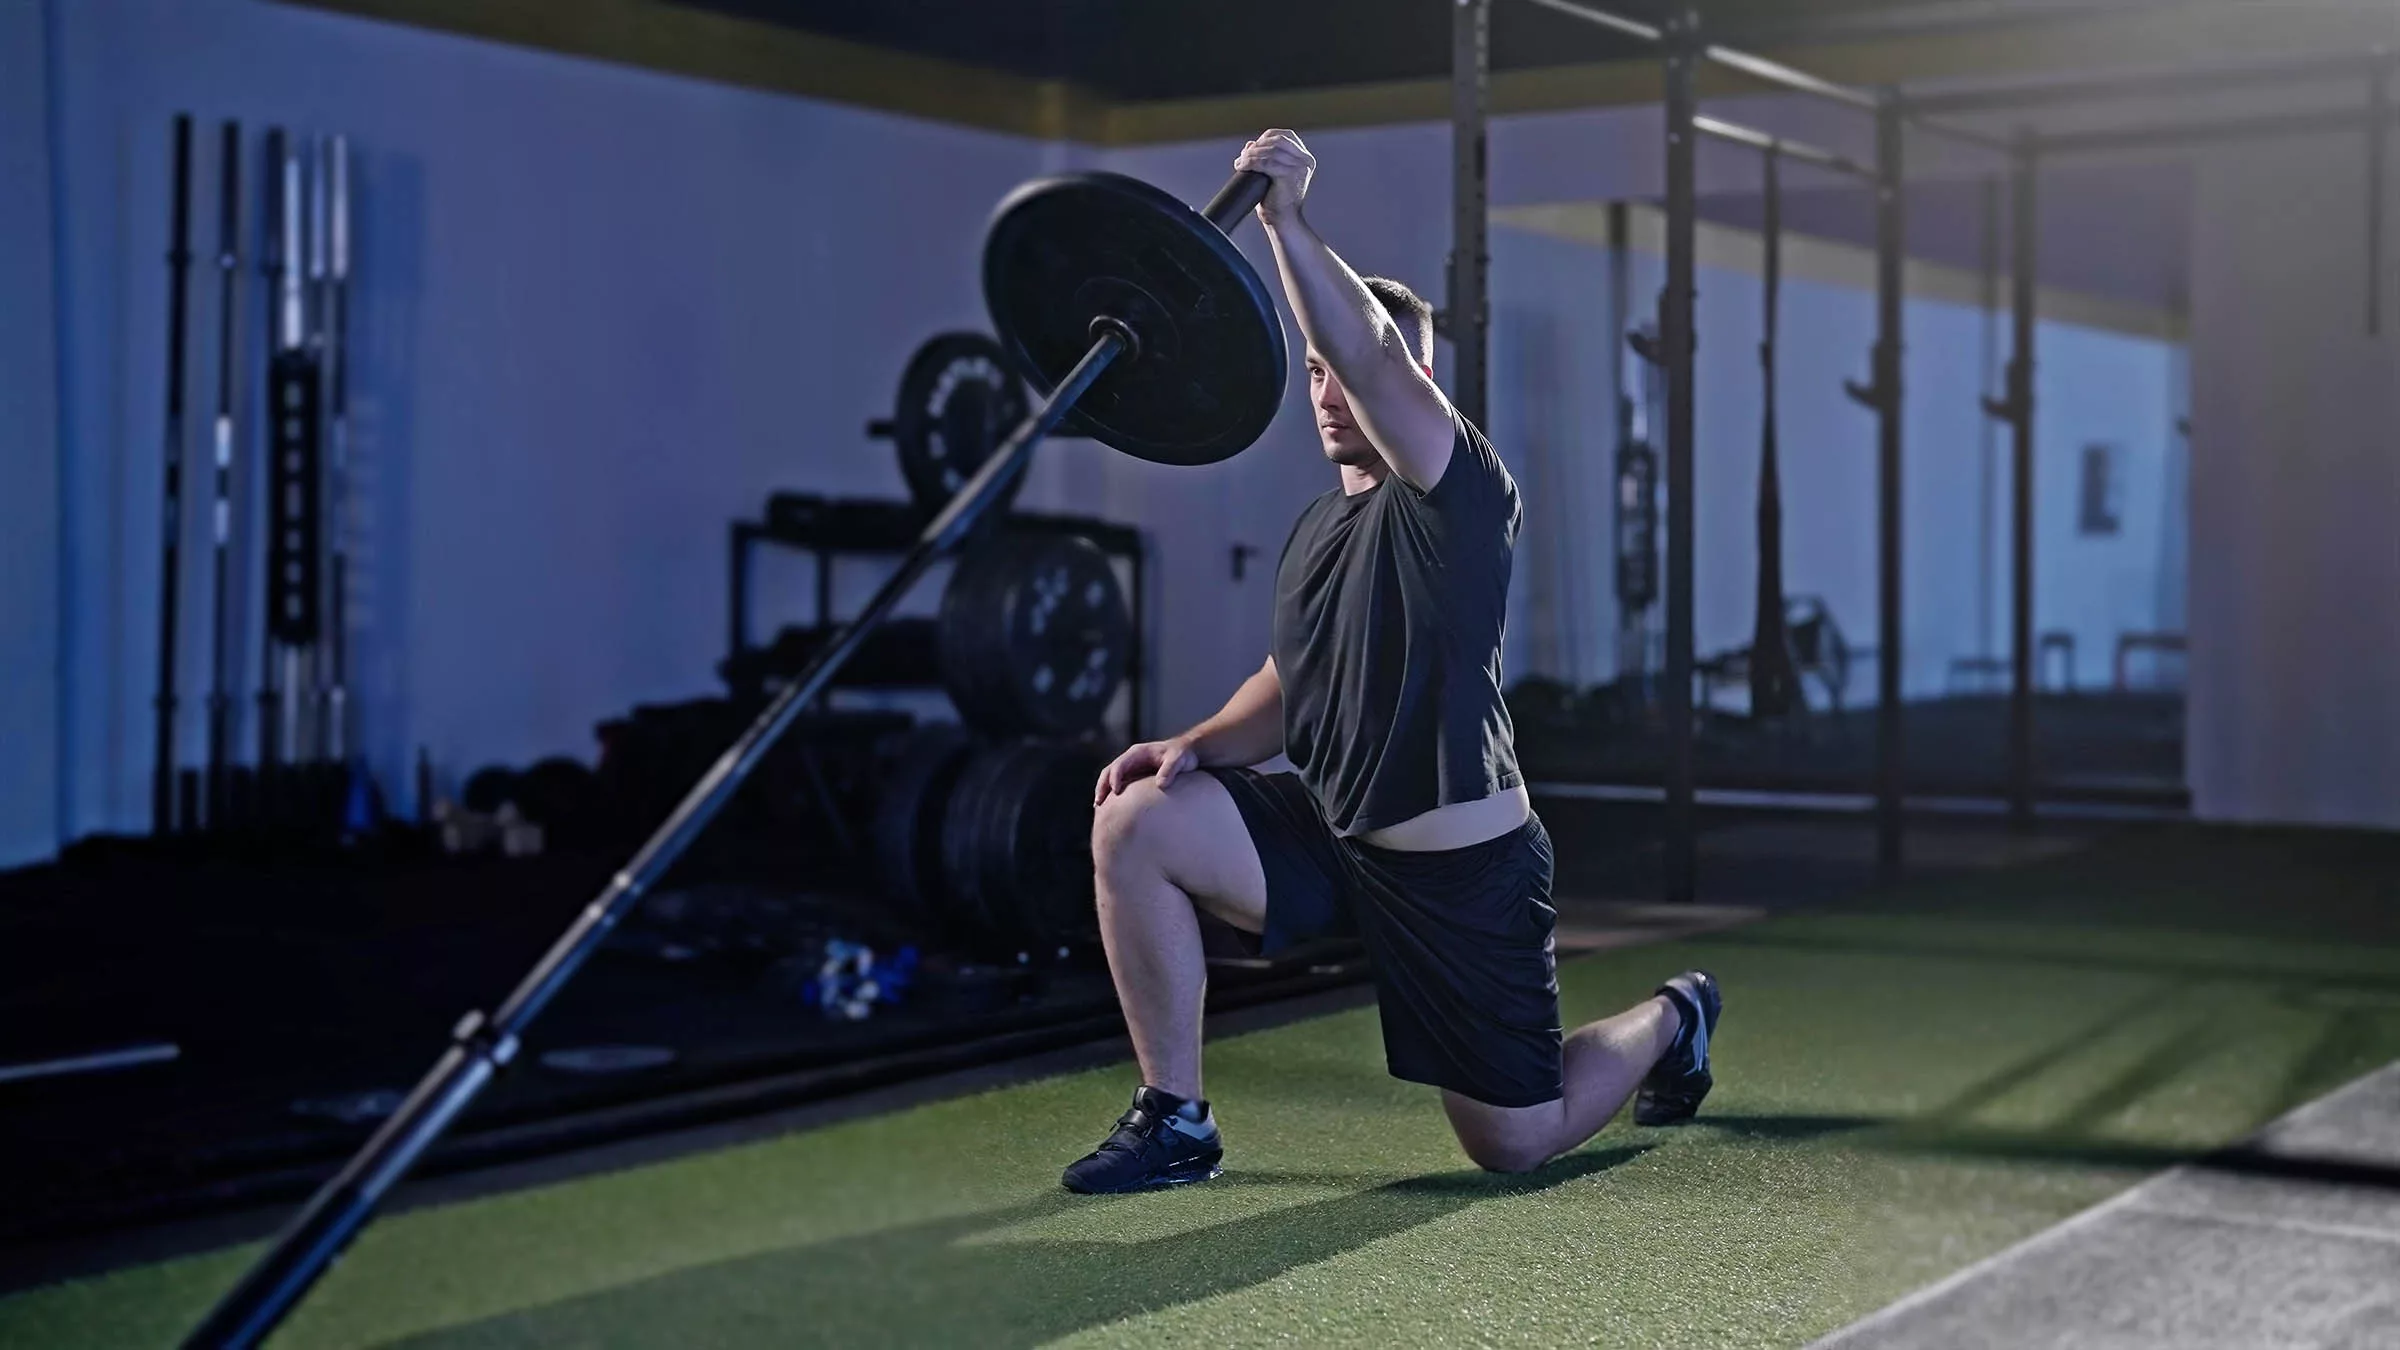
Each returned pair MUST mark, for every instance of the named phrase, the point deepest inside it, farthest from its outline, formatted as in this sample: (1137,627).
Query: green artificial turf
(1905,1085)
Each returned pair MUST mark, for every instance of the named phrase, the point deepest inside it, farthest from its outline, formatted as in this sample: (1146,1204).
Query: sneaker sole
(1163,1181)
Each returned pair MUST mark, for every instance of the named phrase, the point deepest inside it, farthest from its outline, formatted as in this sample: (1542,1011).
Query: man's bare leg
(1158,857)
(1604,1062)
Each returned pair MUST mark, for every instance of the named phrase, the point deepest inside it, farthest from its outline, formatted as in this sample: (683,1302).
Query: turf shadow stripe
(966,1280)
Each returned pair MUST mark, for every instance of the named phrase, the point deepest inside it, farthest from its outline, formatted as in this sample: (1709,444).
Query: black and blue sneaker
(1681,1077)
(1164,1140)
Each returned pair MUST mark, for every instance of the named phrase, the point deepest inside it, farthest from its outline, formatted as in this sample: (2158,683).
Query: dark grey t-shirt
(1389,607)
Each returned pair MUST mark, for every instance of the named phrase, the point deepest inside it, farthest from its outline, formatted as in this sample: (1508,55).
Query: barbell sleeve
(1241,193)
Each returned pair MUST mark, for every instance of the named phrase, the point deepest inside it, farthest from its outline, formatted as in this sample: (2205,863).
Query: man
(1407,822)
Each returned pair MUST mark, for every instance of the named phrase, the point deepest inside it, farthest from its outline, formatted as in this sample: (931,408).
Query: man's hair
(1409,310)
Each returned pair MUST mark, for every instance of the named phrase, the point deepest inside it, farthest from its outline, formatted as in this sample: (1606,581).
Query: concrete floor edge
(1878,1327)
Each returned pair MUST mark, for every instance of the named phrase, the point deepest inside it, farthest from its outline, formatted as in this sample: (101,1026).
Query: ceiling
(1141,50)
(1123,72)
(1130,72)
(1169,49)
(2115,232)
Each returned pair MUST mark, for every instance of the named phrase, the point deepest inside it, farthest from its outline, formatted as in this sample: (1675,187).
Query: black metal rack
(1685,45)
(831,528)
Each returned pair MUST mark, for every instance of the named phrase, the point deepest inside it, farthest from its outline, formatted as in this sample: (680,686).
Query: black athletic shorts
(1465,972)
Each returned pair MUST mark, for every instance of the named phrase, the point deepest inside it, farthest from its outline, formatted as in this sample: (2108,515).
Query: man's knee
(1125,823)
(1503,1155)
(1501,1139)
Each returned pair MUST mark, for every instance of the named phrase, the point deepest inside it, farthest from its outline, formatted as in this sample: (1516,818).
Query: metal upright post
(1890,280)
(1676,342)
(229,360)
(2024,251)
(1987,355)
(1775,689)
(1635,588)
(170,565)
(1470,258)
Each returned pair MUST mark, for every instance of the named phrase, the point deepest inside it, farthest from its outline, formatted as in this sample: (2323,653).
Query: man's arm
(1247,729)
(1393,397)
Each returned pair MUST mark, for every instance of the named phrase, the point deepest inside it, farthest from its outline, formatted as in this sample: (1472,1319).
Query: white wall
(2090,386)
(2295,473)
(1381,198)
(600,312)
(2098,387)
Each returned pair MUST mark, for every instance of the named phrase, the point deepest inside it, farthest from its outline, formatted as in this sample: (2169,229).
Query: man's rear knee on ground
(1499,1139)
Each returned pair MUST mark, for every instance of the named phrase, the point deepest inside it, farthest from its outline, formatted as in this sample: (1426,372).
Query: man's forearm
(1247,729)
(1338,315)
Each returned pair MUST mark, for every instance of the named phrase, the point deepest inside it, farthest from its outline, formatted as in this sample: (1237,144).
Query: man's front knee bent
(1122,820)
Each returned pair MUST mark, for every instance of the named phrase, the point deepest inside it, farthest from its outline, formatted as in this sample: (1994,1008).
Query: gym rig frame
(1684,45)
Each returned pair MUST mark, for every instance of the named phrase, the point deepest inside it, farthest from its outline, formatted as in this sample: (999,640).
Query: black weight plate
(970,627)
(957,648)
(488,788)
(959,398)
(996,819)
(558,795)
(986,628)
(984,649)
(909,807)
(966,843)
(972,631)
(1044,844)
(1035,636)
(1067,636)
(1017,840)
(1210,372)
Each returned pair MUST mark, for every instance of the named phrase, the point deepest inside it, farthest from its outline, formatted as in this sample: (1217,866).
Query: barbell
(1132,314)
(1074,264)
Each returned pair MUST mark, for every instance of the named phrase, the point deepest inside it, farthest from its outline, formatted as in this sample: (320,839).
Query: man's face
(1344,442)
